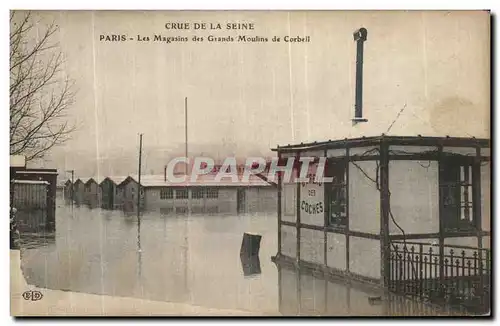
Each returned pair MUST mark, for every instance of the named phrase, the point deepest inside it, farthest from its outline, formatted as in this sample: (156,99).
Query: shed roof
(82,180)
(393,140)
(97,180)
(34,182)
(116,179)
(37,171)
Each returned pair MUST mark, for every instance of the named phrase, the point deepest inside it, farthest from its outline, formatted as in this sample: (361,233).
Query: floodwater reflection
(183,258)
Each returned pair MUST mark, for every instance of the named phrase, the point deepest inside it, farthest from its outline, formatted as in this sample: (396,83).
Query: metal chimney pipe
(360,37)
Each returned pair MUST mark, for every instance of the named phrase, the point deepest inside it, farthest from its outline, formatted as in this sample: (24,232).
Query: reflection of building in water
(387,191)
(305,294)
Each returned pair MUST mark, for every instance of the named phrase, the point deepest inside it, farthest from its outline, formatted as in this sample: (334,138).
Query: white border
(188,5)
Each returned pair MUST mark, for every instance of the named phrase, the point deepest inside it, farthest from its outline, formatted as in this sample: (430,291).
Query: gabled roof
(115,179)
(126,180)
(82,180)
(97,180)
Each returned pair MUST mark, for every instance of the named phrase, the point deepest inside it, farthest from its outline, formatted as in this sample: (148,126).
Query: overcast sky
(248,97)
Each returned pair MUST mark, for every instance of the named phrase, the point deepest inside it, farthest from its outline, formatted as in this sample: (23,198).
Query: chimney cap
(360,34)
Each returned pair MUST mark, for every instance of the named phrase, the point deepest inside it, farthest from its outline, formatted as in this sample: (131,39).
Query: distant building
(127,194)
(207,194)
(79,190)
(68,190)
(33,193)
(92,193)
(110,198)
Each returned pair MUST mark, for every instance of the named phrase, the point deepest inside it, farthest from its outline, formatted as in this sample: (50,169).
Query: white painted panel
(411,149)
(486,196)
(288,241)
(364,198)
(414,187)
(312,246)
(487,242)
(371,150)
(336,251)
(462,241)
(289,202)
(339,152)
(460,150)
(315,153)
(364,257)
(312,200)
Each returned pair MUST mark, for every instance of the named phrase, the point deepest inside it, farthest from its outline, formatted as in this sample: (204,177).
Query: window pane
(212,193)
(336,194)
(181,193)
(456,191)
(166,193)
(198,193)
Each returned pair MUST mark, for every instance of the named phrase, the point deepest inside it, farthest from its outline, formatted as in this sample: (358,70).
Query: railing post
(421,257)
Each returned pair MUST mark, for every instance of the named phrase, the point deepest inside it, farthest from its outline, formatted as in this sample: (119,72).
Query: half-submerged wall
(420,189)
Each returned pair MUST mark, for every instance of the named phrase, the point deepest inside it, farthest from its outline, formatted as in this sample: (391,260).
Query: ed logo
(32,295)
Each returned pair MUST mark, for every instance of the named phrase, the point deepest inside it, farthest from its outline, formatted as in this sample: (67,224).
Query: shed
(110,198)
(391,203)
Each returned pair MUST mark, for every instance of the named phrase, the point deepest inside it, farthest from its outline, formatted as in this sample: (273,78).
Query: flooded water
(180,258)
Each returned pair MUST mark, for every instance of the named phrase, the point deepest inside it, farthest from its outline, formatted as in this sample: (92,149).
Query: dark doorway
(111,197)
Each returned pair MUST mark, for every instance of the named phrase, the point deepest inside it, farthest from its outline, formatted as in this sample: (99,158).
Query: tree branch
(39,97)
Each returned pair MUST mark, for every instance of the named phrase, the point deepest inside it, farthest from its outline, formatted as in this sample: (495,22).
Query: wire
(396,119)
(425,167)
(376,181)
(366,175)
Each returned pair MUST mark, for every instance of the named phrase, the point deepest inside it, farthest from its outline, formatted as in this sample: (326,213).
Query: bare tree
(39,95)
